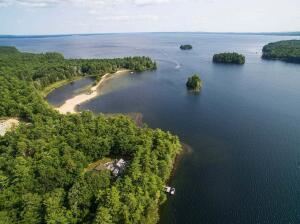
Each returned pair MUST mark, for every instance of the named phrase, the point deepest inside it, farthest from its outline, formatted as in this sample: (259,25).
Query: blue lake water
(243,127)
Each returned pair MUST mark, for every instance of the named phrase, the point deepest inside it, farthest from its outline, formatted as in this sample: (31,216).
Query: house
(116,171)
(121,164)
(116,167)
(110,166)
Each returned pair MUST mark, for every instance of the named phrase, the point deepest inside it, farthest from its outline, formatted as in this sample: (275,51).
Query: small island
(194,83)
(229,58)
(287,50)
(186,47)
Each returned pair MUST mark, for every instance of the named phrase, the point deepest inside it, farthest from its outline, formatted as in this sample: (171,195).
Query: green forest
(229,58)
(288,50)
(43,175)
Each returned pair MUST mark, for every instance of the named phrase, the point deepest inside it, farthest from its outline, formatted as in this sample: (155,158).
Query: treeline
(45,69)
(229,58)
(288,51)
(42,164)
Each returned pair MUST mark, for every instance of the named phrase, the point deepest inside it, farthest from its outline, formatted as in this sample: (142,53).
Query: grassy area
(100,162)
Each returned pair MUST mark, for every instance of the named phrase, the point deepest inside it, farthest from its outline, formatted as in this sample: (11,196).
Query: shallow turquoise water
(243,127)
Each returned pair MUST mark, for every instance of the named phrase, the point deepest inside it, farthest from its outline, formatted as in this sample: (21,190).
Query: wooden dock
(169,190)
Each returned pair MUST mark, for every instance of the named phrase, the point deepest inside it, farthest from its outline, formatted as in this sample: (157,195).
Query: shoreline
(69,106)
(45,92)
(185,149)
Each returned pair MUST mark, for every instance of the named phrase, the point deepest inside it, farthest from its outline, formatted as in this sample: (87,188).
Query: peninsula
(288,51)
(44,172)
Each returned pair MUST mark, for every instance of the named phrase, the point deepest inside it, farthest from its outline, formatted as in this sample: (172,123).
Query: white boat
(172,192)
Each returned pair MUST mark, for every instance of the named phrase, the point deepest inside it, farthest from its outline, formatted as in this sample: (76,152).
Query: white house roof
(121,163)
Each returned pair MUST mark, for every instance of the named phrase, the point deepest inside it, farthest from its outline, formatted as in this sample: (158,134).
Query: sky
(42,17)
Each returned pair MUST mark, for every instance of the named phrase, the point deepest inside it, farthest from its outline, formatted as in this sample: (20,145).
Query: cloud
(150,2)
(37,3)
(45,3)
(126,18)
(4,3)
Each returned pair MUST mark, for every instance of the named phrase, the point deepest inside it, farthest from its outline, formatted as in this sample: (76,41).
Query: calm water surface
(243,127)
(60,95)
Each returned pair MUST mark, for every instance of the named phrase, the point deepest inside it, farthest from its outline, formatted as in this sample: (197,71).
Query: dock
(169,190)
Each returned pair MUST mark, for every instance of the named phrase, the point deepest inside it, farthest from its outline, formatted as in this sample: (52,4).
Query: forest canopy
(288,50)
(229,58)
(43,175)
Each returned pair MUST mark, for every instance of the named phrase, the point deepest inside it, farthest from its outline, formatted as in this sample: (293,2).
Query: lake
(243,127)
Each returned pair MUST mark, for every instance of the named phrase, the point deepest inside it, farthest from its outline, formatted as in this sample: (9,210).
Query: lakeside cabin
(116,167)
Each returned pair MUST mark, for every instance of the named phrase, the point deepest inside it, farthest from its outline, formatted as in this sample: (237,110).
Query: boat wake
(176,64)
(170,61)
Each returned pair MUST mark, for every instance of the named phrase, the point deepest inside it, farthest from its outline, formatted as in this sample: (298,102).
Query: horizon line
(288,33)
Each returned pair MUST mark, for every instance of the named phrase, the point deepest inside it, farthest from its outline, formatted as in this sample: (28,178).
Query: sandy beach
(70,105)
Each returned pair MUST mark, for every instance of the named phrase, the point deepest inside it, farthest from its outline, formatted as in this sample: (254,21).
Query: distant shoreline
(69,106)
(274,33)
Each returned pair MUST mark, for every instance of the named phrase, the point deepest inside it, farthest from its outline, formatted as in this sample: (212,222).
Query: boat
(172,192)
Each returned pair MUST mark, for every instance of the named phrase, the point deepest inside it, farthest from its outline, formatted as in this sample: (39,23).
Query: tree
(103,216)
(55,211)
(194,82)
(32,211)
